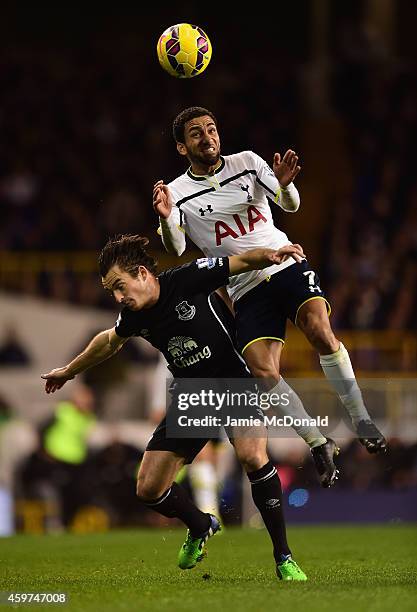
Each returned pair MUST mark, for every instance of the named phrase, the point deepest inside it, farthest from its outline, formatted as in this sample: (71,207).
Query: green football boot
(289,570)
(192,551)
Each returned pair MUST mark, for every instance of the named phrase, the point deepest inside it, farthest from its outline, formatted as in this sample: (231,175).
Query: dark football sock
(267,495)
(175,503)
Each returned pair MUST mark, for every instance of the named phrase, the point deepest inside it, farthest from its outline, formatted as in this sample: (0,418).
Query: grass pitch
(356,568)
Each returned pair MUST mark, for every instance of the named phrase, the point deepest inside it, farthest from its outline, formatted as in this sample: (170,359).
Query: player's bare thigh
(263,359)
(157,473)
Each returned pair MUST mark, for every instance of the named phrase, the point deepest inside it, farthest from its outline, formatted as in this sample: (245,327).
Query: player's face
(140,291)
(202,142)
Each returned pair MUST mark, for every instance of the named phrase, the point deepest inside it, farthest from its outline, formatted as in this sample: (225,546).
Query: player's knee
(253,460)
(148,489)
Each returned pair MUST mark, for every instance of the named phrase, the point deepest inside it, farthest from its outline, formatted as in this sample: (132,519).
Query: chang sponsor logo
(183,351)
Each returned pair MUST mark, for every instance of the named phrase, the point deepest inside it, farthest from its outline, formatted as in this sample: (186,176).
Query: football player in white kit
(222,204)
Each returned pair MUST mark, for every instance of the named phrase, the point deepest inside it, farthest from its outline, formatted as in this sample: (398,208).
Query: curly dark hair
(128,252)
(186,115)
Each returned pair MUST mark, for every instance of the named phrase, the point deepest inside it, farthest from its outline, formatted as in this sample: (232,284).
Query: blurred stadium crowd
(85,120)
(372,264)
(85,136)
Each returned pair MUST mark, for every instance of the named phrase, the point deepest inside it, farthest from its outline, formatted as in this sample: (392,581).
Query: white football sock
(204,483)
(310,433)
(339,372)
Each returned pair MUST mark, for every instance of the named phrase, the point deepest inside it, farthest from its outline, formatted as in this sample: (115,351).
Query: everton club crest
(185,311)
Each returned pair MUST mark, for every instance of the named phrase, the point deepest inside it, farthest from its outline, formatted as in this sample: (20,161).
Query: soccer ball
(184,50)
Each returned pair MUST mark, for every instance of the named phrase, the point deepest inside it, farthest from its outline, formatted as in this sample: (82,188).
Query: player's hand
(286,169)
(162,200)
(290,250)
(56,379)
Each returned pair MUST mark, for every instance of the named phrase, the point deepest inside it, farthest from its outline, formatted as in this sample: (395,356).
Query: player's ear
(181,148)
(142,273)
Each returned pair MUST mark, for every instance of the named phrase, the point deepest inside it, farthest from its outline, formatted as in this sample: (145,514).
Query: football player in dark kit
(180,314)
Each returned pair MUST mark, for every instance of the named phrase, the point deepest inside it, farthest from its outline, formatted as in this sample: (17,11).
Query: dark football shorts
(189,447)
(262,313)
(184,447)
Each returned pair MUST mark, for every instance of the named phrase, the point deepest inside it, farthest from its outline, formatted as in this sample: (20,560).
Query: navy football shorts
(189,447)
(184,447)
(263,312)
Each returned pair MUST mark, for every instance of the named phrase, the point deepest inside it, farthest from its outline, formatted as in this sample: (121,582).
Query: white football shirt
(228,213)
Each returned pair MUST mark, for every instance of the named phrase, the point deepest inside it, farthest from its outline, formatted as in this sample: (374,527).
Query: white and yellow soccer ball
(184,50)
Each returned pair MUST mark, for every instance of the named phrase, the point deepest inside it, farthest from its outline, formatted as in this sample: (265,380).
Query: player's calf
(338,370)
(316,328)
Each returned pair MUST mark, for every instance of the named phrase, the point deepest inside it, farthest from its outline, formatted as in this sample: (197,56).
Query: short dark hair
(186,115)
(128,252)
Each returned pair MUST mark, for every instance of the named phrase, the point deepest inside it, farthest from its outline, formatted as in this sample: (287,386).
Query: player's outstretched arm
(101,347)
(173,237)
(285,170)
(257,259)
